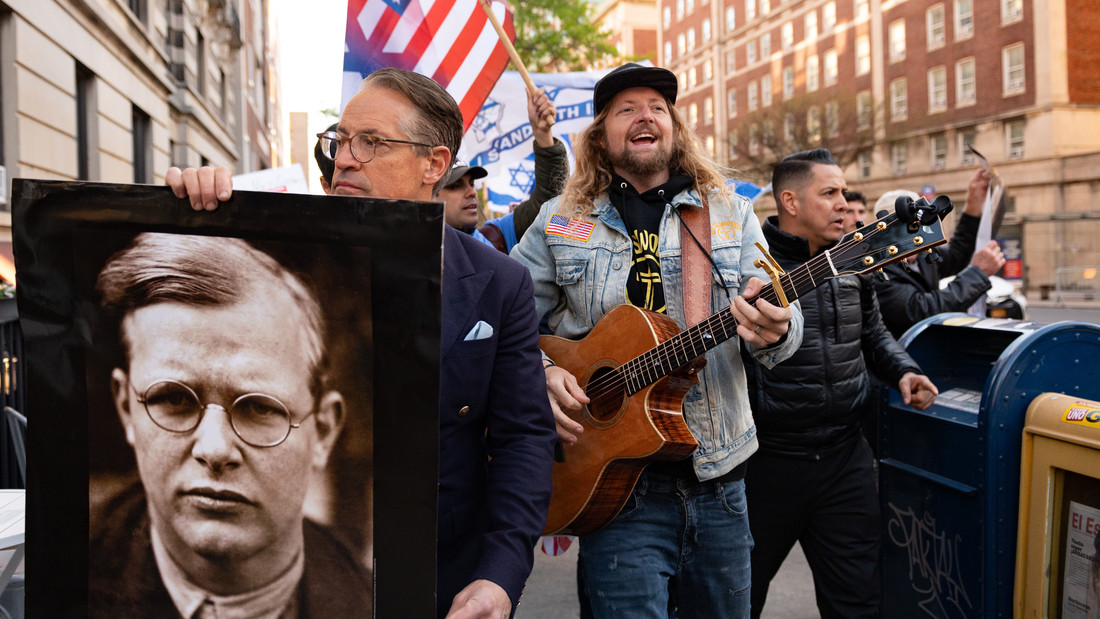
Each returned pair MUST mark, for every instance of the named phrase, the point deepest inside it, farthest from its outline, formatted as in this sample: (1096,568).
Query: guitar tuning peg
(932,257)
(882,276)
(905,264)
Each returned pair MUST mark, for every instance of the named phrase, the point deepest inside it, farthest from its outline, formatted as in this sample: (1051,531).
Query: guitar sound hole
(607,392)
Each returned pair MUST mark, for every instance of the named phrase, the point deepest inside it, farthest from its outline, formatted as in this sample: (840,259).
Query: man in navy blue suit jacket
(496,432)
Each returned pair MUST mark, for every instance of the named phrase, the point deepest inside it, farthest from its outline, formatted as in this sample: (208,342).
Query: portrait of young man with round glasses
(223,398)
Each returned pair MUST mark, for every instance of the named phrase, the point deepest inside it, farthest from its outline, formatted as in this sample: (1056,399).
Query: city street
(551,591)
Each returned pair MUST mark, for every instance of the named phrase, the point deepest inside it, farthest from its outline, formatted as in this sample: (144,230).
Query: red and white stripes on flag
(450,41)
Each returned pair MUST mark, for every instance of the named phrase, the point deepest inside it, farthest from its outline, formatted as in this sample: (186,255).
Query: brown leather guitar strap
(696,267)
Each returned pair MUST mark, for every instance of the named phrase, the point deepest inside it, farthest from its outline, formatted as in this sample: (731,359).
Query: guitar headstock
(913,227)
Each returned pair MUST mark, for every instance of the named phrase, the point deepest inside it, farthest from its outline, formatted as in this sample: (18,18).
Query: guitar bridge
(772,268)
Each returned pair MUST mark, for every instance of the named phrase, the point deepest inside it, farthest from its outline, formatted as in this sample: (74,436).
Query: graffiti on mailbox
(934,569)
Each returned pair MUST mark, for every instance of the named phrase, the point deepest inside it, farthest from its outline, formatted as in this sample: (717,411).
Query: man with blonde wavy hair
(615,237)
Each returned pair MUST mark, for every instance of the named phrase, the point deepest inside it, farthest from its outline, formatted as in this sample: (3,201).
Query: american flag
(450,41)
(572,228)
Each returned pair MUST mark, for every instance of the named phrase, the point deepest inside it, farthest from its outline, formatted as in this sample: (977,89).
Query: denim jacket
(578,281)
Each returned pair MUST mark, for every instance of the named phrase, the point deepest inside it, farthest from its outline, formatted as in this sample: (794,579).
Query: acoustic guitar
(636,367)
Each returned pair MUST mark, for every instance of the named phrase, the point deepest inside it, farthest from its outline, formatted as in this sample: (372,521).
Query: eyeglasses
(363,145)
(259,420)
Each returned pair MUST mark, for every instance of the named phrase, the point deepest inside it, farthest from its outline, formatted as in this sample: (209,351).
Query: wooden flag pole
(511,49)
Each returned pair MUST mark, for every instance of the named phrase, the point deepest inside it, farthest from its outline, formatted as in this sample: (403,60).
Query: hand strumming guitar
(762,325)
(565,395)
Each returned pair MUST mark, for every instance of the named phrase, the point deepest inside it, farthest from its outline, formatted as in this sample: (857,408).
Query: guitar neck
(680,349)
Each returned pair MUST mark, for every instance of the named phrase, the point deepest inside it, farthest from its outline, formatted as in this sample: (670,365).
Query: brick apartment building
(1017,79)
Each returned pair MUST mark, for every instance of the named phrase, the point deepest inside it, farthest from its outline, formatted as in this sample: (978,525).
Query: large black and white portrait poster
(232,410)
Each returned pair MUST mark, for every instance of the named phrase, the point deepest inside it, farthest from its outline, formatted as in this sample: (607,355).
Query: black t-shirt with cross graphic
(642,215)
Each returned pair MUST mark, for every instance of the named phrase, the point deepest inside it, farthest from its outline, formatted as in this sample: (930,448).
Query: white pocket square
(481,331)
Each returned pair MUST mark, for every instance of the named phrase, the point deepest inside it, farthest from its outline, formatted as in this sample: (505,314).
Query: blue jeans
(688,535)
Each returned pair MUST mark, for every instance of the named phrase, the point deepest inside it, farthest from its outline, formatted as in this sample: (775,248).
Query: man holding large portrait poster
(396,139)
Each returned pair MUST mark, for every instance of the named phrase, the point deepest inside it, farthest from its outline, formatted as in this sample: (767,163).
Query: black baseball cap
(632,75)
(459,171)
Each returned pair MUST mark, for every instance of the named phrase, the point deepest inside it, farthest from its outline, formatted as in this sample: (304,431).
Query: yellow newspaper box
(1058,546)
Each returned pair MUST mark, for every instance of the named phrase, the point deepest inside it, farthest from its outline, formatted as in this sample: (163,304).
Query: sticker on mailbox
(1083,414)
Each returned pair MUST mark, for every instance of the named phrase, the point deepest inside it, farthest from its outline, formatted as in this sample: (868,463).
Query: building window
(1014,139)
(832,119)
(937,30)
(937,89)
(863,54)
(690,6)
(787,35)
(200,64)
(754,139)
(813,124)
(964,19)
(750,10)
(666,17)
(142,134)
(811,25)
(706,30)
(692,78)
(1013,63)
(731,102)
(750,52)
(137,7)
(865,164)
(965,85)
(967,137)
(731,18)
(731,146)
(691,39)
(788,82)
(788,127)
(830,67)
(828,17)
(708,70)
(731,60)
(1011,11)
(681,43)
(899,99)
(765,6)
(811,73)
(897,40)
(710,145)
(708,110)
(863,8)
(899,157)
(693,115)
(938,147)
(752,96)
(683,80)
(864,112)
(765,46)
(679,10)
(86,125)
(668,52)
(765,91)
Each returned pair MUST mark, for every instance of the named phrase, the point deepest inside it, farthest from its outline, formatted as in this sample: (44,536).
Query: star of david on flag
(450,41)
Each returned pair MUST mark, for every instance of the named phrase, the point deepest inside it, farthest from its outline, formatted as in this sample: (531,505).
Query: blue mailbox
(950,476)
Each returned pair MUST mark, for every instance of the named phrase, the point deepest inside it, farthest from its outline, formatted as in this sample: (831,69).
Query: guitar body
(622,433)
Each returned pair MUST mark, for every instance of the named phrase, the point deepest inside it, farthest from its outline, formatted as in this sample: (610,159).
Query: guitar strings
(656,360)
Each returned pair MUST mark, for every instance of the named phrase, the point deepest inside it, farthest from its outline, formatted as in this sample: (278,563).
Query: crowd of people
(646,219)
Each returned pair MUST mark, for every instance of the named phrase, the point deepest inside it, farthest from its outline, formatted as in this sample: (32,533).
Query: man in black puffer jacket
(812,480)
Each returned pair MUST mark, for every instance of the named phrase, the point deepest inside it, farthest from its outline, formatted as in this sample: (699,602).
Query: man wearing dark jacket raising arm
(812,480)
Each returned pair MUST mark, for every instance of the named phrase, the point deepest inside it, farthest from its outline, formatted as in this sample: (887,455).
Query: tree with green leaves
(560,35)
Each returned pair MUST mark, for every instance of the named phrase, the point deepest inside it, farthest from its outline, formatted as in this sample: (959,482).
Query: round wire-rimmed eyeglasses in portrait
(363,145)
(257,419)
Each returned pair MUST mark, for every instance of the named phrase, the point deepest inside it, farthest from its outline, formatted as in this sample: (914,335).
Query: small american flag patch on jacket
(571,228)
